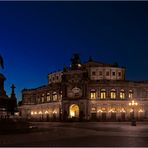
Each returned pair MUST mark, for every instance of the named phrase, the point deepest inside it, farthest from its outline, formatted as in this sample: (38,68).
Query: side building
(8,105)
(87,91)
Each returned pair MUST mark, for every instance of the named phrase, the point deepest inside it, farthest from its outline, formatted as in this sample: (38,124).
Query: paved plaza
(81,134)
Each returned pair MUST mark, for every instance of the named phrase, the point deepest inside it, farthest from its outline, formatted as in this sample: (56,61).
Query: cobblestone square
(101,134)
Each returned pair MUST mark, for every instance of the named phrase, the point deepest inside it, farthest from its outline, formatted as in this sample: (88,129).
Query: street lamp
(133,104)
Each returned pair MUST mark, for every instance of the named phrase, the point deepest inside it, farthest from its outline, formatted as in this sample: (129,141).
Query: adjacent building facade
(8,105)
(87,91)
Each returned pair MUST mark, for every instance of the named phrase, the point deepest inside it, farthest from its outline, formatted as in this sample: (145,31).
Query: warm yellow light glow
(131,110)
(130,94)
(54,112)
(113,94)
(46,112)
(103,109)
(35,113)
(140,111)
(122,94)
(40,112)
(100,111)
(32,113)
(93,95)
(72,114)
(103,95)
(74,110)
(16,114)
(112,110)
(122,110)
(133,103)
(93,108)
(79,65)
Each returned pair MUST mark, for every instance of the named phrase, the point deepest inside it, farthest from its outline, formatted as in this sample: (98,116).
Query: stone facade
(88,91)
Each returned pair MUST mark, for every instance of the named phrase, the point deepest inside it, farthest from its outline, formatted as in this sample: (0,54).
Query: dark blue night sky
(37,38)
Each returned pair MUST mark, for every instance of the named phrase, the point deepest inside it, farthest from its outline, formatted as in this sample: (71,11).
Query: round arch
(74,111)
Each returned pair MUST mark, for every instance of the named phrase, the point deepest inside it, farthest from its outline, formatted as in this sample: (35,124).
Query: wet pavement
(114,134)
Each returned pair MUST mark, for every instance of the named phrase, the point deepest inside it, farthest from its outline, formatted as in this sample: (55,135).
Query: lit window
(54,96)
(93,94)
(103,93)
(130,95)
(42,98)
(48,97)
(113,94)
(122,94)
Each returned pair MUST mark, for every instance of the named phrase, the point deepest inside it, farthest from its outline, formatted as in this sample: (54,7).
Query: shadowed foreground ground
(80,134)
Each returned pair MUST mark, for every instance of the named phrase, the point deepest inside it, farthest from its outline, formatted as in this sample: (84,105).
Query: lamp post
(133,104)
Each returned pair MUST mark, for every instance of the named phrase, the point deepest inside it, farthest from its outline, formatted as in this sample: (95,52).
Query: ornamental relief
(75,78)
(74,92)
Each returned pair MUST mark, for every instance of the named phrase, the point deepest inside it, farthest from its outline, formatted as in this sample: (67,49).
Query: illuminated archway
(74,111)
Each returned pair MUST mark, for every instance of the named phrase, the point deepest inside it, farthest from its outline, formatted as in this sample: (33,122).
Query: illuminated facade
(88,91)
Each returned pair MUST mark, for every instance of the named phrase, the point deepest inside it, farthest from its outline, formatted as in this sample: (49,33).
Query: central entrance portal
(74,111)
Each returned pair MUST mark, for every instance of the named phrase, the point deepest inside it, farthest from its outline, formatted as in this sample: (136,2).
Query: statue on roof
(90,59)
(1,62)
(75,61)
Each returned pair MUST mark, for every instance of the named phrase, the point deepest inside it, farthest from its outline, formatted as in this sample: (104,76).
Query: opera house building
(87,91)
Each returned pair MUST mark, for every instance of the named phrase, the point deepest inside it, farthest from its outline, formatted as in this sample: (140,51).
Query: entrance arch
(74,111)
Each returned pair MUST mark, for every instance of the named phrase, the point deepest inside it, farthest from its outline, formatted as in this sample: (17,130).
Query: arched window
(122,94)
(103,93)
(54,96)
(38,99)
(113,93)
(48,97)
(130,95)
(93,94)
(60,95)
(42,98)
